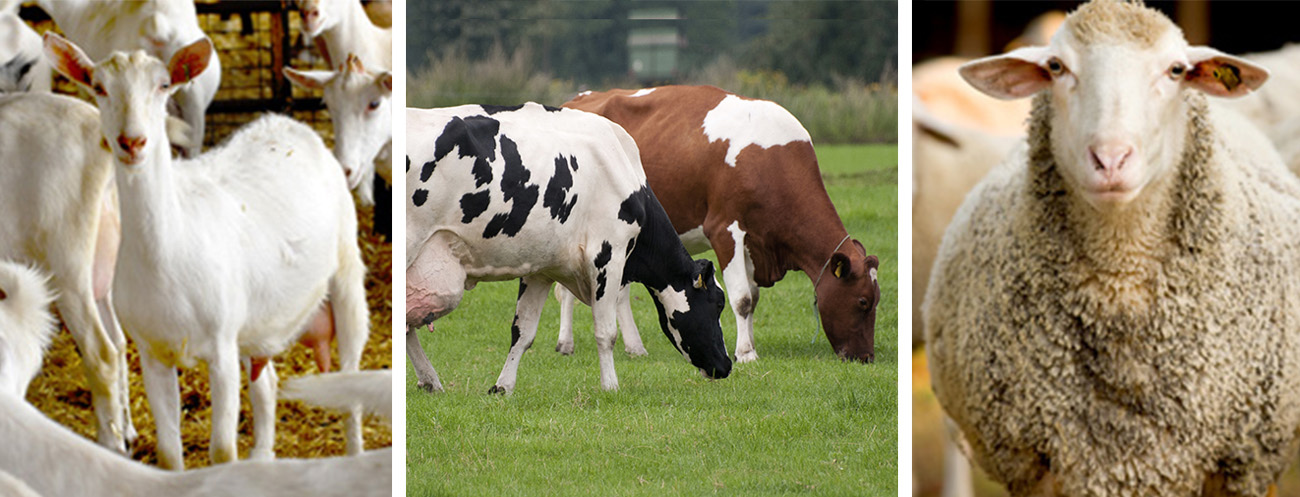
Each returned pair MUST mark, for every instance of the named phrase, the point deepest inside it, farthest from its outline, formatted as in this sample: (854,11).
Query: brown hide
(776,194)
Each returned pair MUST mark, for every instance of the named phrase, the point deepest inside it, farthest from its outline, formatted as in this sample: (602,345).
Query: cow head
(847,297)
(688,314)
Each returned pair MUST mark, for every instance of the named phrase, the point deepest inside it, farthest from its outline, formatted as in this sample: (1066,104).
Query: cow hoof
(750,356)
(429,387)
(637,352)
(564,348)
(497,390)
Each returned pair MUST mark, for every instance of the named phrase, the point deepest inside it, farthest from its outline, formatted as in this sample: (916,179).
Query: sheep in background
(26,325)
(224,256)
(1114,310)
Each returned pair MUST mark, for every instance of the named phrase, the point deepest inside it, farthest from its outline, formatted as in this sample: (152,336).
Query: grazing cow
(736,173)
(546,195)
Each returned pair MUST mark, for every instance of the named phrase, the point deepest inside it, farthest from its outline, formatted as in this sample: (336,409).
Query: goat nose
(131,145)
(1110,157)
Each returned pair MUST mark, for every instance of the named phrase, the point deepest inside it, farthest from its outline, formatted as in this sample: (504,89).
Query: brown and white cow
(739,176)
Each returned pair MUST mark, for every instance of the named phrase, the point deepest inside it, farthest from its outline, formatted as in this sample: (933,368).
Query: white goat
(342,28)
(21,66)
(226,255)
(159,27)
(56,177)
(360,105)
(26,325)
(51,460)
(374,389)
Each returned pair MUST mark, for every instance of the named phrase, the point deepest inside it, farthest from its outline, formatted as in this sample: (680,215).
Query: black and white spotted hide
(552,195)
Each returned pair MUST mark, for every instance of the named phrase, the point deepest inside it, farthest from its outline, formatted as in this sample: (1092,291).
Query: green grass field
(797,421)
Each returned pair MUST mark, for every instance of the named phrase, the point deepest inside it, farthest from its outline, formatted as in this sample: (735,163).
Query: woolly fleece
(1152,352)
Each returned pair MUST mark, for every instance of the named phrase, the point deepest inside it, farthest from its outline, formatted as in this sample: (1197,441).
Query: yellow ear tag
(839,269)
(1229,76)
(699,282)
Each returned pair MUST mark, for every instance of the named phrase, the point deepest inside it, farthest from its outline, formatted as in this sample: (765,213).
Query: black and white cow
(545,195)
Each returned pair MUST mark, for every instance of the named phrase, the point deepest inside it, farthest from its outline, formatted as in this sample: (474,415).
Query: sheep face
(360,105)
(131,91)
(1116,75)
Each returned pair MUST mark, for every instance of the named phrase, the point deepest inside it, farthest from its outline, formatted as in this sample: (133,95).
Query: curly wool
(1150,352)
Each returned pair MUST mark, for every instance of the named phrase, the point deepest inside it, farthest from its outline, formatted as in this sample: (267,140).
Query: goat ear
(1223,75)
(190,61)
(385,82)
(312,80)
(69,60)
(1012,75)
(354,64)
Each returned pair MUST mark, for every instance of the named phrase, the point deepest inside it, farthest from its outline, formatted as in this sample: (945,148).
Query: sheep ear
(190,61)
(1222,75)
(1015,74)
(69,60)
(312,80)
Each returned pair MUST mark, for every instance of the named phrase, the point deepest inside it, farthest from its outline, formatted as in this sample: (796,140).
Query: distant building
(654,43)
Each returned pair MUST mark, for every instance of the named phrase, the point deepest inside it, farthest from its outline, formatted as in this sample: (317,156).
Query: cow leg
(564,344)
(627,324)
(435,283)
(528,311)
(426,377)
(742,292)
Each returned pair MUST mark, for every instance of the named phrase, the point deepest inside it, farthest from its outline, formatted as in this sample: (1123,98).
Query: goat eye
(1055,67)
(374,104)
(1177,70)
(99,90)
(165,85)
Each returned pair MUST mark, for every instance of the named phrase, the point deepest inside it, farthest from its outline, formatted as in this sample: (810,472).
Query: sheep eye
(99,90)
(1055,67)
(165,85)
(1177,70)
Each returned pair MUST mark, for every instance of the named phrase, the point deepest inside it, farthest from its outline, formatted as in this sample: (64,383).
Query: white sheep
(61,216)
(26,325)
(223,256)
(160,28)
(48,459)
(360,105)
(21,66)
(341,27)
(1114,310)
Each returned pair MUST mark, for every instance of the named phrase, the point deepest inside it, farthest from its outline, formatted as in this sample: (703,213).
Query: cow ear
(699,281)
(840,266)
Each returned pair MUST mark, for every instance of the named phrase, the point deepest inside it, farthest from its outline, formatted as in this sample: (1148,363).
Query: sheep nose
(131,145)
(1110,157)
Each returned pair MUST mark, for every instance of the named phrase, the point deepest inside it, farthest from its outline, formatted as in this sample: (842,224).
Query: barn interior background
(975,28)
(255,39)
